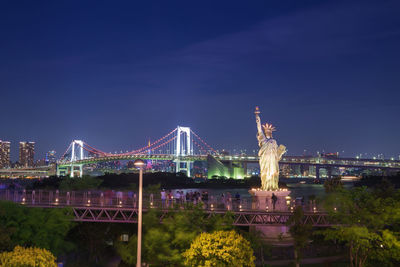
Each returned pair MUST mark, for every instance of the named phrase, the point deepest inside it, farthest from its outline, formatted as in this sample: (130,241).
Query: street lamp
(139,164)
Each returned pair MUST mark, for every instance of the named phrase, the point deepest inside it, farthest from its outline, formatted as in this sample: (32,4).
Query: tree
(127,251)
(27,257)
(36,227)
(300,232)
(164,243)
(367,223)
(359,239)
(365,244)
(389,249)
(5,238)
(84,183)
(333,184)
(94,241)
(258,244)
(220,248)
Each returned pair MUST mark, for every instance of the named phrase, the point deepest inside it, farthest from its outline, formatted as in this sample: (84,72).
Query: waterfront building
(4,154)
(51,157)
(26,154)
(40,162)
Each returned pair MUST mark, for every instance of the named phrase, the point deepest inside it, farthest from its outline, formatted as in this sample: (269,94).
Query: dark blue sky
(115,73)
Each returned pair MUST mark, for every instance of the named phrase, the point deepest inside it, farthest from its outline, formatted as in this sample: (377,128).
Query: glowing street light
(139,164)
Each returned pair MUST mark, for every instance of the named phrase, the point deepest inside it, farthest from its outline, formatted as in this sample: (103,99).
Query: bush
(27,257)
(220,248)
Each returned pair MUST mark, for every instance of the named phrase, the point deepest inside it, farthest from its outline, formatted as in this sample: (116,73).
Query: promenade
(121,207)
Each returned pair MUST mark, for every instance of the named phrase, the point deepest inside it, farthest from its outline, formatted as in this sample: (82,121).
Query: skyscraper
(26,153)
(4,154)
(51,157)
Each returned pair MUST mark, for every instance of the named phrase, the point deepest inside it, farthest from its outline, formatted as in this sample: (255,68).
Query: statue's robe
(269,154)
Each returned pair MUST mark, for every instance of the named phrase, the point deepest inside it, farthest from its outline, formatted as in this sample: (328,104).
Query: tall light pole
(139,164)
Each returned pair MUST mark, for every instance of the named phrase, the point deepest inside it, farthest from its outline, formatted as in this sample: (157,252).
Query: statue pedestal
(262,201)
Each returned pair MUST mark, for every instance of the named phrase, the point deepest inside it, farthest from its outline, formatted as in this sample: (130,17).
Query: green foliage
(27,257)
(300,232)
(50,183)
(259,246)
(333,184)
(359,239)
(36,227)
(127,251)
(164,243)
(365,244)
(94,241)
(378,181)
(361,206)
(385,188)
(5,238)
(76,184)
(388,251)
(368,224)
(220,248)
(153,189)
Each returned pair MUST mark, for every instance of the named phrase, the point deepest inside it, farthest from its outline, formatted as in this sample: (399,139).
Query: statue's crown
(269,128)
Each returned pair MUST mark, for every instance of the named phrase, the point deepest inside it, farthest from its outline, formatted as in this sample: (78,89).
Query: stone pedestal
(262,200)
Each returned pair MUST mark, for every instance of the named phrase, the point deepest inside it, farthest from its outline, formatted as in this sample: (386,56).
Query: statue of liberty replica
(269,154)
(269,197)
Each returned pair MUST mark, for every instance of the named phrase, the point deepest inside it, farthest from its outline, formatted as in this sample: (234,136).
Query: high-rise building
(4,154)
(26,153)
(51,157)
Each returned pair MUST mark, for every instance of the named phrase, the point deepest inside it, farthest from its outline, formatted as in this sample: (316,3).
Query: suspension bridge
(183,147)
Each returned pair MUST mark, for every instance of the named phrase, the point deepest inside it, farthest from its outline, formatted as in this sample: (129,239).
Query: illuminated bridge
(184,147)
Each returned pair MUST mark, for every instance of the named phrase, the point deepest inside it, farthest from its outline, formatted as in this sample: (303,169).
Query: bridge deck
(100,207)
(292,160)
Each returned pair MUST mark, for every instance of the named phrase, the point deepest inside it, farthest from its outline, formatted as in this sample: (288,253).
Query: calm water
(296,190)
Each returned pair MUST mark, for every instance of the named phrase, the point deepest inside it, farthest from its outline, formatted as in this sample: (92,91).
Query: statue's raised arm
(258,121)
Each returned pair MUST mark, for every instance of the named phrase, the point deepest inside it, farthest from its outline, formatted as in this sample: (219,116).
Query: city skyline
(325,73)
(235,151)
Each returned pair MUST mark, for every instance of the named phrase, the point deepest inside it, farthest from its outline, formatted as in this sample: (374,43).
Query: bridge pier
(179,168)
(244,169)
(72,173)
(329,172)
(58,171)
(70,170)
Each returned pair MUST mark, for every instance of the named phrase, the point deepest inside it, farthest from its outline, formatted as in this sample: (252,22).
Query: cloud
(318,35)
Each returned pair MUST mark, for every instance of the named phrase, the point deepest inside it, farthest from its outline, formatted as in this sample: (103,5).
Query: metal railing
(122,199)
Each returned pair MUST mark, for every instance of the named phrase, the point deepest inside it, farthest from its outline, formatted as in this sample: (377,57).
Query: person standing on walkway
(163,198)
(274,199)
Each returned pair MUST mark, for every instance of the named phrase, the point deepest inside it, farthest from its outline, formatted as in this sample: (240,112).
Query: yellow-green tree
(163,243)
(27,257)
(220,248)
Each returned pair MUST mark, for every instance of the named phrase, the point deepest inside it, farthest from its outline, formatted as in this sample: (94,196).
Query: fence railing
(120,199)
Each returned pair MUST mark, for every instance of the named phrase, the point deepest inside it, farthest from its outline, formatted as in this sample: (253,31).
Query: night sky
(116,73)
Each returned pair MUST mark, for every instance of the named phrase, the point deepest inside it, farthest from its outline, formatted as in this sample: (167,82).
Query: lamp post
(139,164)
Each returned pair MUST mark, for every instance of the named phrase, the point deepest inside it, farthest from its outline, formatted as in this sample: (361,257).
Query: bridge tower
(76,147)
(183,147)
(77,154)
